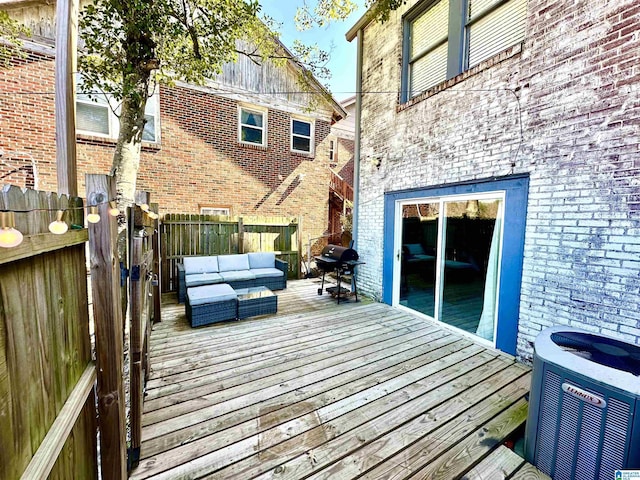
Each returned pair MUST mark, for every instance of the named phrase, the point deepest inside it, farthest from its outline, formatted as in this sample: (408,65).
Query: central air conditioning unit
(584,409)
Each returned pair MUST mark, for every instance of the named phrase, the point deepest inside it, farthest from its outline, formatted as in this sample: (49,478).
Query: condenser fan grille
(604,351)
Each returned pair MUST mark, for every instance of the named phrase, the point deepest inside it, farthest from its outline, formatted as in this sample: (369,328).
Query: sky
(332,38)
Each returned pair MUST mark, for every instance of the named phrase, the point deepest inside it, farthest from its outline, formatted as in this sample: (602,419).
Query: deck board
(499,465)
(359,390)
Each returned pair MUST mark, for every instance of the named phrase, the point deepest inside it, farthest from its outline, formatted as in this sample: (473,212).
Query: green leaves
(324,12)
(126,40)
(10,31)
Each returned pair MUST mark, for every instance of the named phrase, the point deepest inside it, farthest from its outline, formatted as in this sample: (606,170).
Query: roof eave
(364,21)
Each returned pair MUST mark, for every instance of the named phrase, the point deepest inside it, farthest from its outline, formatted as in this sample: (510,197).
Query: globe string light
(11,237)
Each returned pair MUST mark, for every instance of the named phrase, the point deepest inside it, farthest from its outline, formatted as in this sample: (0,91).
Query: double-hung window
(301,136)
(97,114)
(443,38)
(428,47)
(252,126)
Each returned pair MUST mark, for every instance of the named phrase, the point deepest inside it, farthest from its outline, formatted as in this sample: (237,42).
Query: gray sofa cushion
(197,279)
(414,249)
(267,272)
(210,294)
(262,260)
(237,275)
(200,265)
(228,263)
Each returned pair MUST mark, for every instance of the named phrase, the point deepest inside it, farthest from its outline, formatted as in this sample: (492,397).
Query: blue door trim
(516,190)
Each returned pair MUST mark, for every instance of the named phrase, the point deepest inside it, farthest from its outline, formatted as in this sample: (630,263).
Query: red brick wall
(27,123)
(198,161)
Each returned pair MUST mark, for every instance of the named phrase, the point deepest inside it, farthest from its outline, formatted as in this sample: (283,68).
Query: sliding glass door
(448,259)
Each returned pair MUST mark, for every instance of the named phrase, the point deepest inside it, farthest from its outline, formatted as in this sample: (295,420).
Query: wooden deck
(325,391)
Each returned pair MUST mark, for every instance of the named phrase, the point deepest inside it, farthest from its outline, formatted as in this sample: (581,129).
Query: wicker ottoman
(211,303)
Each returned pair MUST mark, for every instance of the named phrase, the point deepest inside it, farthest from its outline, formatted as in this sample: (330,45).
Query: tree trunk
(126,159)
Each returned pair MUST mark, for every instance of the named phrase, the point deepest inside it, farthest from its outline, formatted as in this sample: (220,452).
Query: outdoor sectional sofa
(243,270)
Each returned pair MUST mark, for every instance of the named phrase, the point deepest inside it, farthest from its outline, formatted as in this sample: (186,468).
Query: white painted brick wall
(578,81)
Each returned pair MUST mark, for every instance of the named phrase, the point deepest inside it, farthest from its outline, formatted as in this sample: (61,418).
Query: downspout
(356,150)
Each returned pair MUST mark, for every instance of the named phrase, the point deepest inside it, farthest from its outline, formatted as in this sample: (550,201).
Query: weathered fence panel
(141,313)
(107,315)
(47,413)
(183,235)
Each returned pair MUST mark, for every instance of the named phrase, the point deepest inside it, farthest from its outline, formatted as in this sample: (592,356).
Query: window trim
(407,30)
(311,137)
(265,117)
(457,36)
(515,214)
(110,118)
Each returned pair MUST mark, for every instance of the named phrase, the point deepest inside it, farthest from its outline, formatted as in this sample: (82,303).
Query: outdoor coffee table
(256,301)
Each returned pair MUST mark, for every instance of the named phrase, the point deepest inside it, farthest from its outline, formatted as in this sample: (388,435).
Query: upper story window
(252,126)
(301,136)
(97,114)
(441,43)
(332,151)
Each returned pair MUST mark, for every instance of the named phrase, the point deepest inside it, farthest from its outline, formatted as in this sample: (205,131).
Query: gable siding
(577,85)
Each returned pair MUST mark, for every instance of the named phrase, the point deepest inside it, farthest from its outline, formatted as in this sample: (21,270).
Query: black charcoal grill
(342,261)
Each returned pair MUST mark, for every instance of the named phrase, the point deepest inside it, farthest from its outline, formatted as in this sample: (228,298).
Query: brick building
(499,184)
(249,142)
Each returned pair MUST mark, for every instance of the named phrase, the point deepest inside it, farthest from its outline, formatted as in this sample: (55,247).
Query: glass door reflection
(450,260)
(471,230)
(419,257)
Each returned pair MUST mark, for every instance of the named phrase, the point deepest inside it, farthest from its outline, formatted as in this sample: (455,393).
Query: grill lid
(338,253)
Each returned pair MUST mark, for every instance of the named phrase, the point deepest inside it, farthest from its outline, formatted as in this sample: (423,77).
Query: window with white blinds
(428,51)
(492,30)
(429,70)
(92,115)
(430,29)
(450,36)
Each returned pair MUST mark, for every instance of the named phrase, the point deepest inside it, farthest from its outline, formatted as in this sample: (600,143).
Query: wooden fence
(47,402)
(143,274)
(183,235)
(49,385)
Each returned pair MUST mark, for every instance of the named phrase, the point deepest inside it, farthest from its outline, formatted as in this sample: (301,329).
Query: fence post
(155,240)
(107,315)
(240,235)
(299,247)
(137,280)
(141,260)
